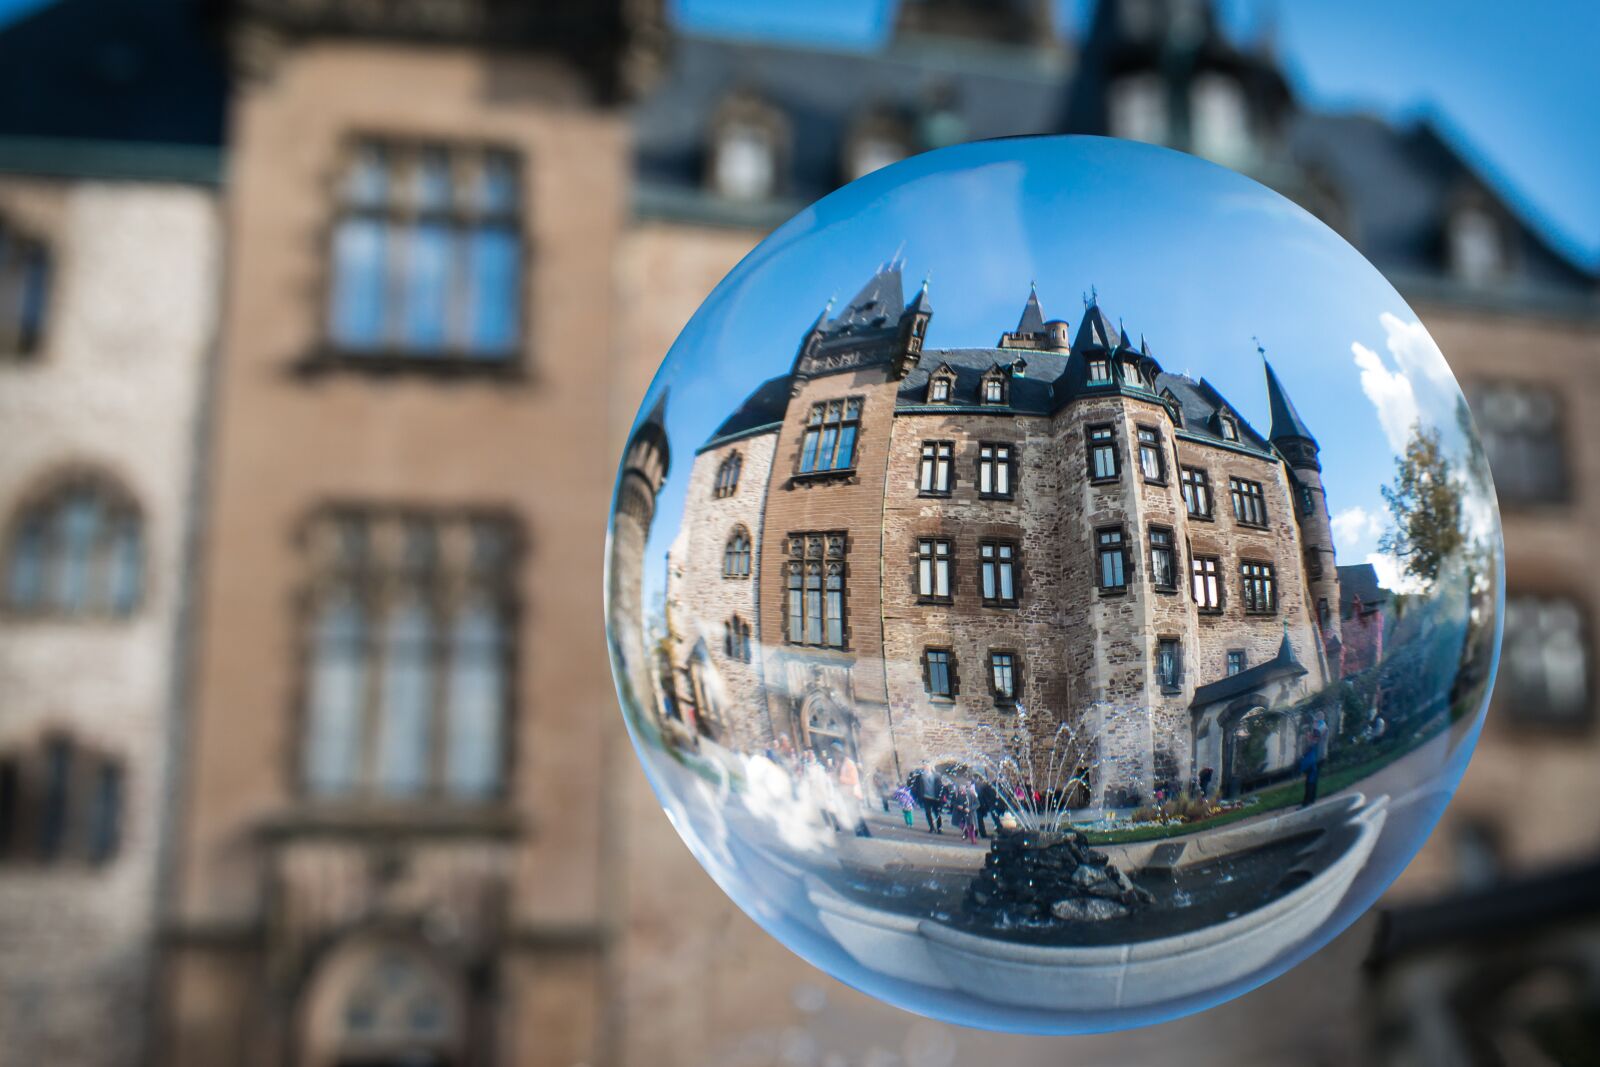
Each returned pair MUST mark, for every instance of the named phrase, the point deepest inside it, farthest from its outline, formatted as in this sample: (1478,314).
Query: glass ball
(1054,584)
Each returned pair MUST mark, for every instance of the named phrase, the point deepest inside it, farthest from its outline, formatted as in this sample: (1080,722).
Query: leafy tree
(1426,503)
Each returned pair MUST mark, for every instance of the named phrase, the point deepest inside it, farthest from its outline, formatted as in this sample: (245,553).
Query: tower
(644,469)
(1300,452)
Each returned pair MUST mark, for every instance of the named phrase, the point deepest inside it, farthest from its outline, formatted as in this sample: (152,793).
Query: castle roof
(1031,394)
(762,409)
(1199,403)
(1032,320)
(1360,580)
(878,304)
(1095,330)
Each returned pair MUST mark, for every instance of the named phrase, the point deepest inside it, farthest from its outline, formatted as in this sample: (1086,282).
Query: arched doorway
(830,728)
(383,1003)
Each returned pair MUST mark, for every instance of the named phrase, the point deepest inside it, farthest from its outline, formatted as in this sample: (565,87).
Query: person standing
(1311,765)
(931,789)
(988,805)
(908,803)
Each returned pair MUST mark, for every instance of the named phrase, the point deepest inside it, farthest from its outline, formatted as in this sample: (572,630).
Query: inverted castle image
(906,555)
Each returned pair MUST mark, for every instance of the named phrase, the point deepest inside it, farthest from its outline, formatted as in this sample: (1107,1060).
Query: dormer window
(1137,108)
(1221,119)
(1476,246)
(1227,427)
(745,165)
(1099,370)
(994,388)
(941,387)
(873,151)
(1174,409)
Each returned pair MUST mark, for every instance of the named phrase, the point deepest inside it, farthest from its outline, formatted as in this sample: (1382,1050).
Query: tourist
(1311,765)
(928,788)
(988,804)
(852,801)
(908,804)
(963,801)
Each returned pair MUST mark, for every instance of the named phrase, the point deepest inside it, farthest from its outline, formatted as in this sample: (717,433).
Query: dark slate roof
(879,303)
(1199,402)
(112,88)
(1095,330)
(1395,187)
(1031,394)
(822,94)
(1283,665)
(1032,320)
(763,407)
(1286,421)
(1360,580)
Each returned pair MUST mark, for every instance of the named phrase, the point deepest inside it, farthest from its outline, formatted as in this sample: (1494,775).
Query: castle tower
(644,469)
(1300,451)
(1033,331)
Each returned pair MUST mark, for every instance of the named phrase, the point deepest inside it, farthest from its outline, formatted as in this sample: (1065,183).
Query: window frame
(1265,577)
(1244,492)
(952,689)
(1108,443)
(1170,549)
(1153,448)
(931,552)
(827,553)
(1173,683)
(1243,656)
(1196,481)
(938,458)
(994,468)
(1014,671)
(1002,560)
(733,555)
(726,483)
(1119,548)
(815,436)
(1198,574)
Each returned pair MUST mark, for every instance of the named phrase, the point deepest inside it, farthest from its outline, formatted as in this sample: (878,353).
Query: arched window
(736,555)
(77,550)
(727,482)
(736,639)
(409,652)
(24,291)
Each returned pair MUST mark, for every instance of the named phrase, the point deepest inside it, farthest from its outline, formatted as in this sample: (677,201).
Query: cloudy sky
(1197,259)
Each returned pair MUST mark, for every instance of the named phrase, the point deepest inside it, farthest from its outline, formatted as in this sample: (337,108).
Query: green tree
(1426,504)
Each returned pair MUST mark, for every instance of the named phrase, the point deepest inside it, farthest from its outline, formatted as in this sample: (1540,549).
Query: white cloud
(1391,394)
(1355,526)
(1392,574)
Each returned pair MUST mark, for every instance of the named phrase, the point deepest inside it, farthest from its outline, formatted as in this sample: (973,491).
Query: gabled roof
(1360,580)
(1283,665)
(764,407)
(1286,422)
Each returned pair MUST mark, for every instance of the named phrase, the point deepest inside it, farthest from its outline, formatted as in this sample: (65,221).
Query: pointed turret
(1032,320)
(878,302)
(920,303)
(1095,331)
(1286,421)
(1033,330)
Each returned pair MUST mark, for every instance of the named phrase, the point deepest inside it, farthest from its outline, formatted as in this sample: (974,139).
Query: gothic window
(24,292)
(1003,676)
(1152,464)
(1221,118)
(1163,560)
(1169,664)
(1137,108)
(1476,245)
(736,639)
(994,470)
(1112,554)
(933,569)
(815,583)
(1249,501)
(1196,492)
(1544,667)
(1103,465)
(997,562)
(727,482)
(60,802)
(939,676)
(937,457)
(1099,370)
(408,656)
(1524,436)
(78,550)
(1206,583)
(1259,587)
(736,555)
(829,441)
(427,253)
(1236,661)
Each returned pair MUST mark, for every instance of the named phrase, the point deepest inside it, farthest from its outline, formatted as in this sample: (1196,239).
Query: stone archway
(830,729)
(1241,726)
(383,1002)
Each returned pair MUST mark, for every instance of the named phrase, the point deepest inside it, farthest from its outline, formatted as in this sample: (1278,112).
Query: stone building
(961,550)
(391,847)
(110,238)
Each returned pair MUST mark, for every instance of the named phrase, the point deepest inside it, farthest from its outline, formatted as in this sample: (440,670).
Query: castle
(903,554)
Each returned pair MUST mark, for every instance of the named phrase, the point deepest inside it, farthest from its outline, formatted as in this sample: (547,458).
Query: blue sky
(1196,258)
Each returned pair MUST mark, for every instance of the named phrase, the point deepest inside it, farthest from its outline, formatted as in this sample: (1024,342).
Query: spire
(920,302)
(1095,330)
(1032,320)
(1286,421)
(883,296)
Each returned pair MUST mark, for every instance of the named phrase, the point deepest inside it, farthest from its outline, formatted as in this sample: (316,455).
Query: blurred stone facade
(563,922)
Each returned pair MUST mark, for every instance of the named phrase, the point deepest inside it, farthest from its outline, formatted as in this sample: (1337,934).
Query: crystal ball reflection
(1033,667)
